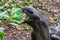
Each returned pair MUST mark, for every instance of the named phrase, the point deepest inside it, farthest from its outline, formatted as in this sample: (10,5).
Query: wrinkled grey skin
(53,33)
(38,23)
(34,15)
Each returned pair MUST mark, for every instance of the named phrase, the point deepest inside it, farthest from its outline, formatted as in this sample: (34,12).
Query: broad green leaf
(1,3)
(16,10)
(16,15)
(1,22)
(1,33)
(4,15)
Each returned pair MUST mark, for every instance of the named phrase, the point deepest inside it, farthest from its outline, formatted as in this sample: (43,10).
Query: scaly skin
(38,23)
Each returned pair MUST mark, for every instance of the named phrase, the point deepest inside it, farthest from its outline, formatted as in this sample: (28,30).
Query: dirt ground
(13,34)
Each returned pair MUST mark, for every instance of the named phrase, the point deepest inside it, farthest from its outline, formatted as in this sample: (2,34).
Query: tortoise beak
(23,8)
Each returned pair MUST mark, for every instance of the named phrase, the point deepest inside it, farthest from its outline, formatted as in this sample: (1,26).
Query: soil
(14,34)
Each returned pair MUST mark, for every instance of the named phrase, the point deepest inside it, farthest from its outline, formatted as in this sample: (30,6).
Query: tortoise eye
(30,12)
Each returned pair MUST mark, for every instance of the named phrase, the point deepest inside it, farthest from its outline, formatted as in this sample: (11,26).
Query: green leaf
(16,15)
(1,33)
(1,22)
(29,0)
(1,3)
(26,28)
(17,10)
(4,15)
